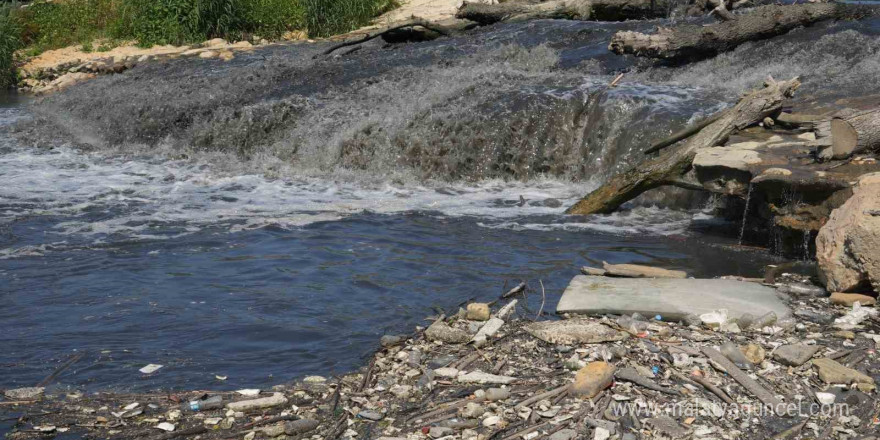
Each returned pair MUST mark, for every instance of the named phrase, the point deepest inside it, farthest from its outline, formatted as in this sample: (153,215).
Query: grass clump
(43,25)
(10,41)
(330,17)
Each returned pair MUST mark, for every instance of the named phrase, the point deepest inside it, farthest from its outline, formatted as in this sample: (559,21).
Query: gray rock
(300,426)
(795,354)
(440,431)
(371,415)
(389,340)
(565,434)
(440,331)
(441,361)
(674,299)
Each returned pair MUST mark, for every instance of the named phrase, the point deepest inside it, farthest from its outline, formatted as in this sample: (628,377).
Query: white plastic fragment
(150,368)
(854,317)
(249,392)
(165,426)
(480,377)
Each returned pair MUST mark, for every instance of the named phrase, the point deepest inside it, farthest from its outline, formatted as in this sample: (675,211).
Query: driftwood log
(848,132)
(672,167)
(601,10)
(416,29)
(693,41)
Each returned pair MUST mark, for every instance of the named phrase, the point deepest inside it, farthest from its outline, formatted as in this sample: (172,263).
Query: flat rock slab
(670,298)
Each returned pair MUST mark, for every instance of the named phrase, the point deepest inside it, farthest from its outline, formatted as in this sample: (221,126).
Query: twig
(616,80)
(247,427)
(552,393)
(543,300)
(74,359)
(517,289)
(367,375)
(766,397)
(712,388)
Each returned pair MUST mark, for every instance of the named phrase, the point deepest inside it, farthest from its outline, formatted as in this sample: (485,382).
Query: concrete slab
(670,298)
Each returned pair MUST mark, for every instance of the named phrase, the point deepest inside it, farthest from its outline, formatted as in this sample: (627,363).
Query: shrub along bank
(45,25)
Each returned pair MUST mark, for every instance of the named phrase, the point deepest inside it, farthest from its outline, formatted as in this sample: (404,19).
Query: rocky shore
(500,371)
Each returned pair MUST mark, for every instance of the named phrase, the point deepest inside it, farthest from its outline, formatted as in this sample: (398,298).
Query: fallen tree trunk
(672,167)
(848,132)
(415,29)
(601,10)
(692,41)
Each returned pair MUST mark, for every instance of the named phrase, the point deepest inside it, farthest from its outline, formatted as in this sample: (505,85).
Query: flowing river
(273,216)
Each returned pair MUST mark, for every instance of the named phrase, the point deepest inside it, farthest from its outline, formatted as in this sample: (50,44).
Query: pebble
(371,415)
(491,421)
(496,394)
(754,353)
(472,410)
(795,354)
(564,434)
(390,340)
(825,398)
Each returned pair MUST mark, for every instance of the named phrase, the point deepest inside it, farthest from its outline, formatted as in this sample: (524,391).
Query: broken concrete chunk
(574,331)
(671,298)
(487,331)
(592,379)
(440,331)
(754,353)
(265,402)
(639,271)
(833,372)
(795,354)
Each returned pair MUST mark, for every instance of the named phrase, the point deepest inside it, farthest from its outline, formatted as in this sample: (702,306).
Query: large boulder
(848,246)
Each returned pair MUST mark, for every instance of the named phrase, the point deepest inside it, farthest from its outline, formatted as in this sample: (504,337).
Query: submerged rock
(27,393)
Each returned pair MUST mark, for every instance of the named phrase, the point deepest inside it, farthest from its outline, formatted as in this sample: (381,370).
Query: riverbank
(510,372)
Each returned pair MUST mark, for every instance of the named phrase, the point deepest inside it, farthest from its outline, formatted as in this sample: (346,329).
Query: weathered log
(683,134)
(692,41)
(848,132)
(428,30)
(601,10)
(671,168)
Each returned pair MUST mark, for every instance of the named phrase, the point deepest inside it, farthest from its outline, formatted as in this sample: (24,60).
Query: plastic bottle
(732,352)
(745,321)
(213,402)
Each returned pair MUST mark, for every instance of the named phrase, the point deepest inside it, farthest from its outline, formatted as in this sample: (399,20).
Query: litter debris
(150,368)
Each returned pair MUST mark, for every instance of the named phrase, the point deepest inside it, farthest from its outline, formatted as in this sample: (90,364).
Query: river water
(272,217)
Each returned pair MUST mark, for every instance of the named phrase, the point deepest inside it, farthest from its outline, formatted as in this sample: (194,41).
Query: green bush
(330,17)
(10,41)
(58,24)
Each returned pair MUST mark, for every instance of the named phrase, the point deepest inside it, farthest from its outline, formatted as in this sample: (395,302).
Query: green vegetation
(330,17)
(44,25)
(9,42)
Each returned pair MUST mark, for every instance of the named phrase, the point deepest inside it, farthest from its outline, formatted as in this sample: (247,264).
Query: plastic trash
(732,352)
(213,402)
